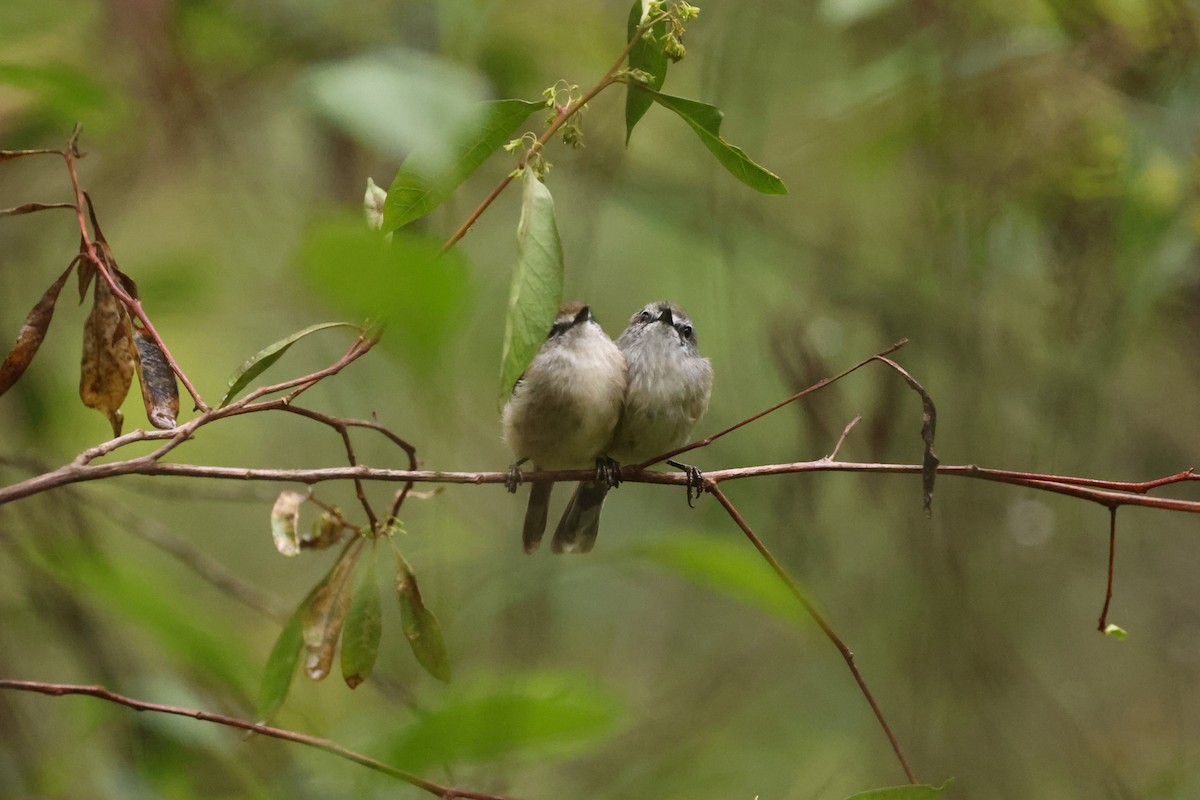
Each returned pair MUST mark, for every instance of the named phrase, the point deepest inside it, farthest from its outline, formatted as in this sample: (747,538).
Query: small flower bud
(373,203)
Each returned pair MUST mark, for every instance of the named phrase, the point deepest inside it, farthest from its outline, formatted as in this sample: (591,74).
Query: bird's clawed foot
(514,478)
(695,481)
(608,472)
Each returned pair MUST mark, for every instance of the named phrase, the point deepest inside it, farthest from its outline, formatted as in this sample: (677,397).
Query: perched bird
(563,409)
(668,390)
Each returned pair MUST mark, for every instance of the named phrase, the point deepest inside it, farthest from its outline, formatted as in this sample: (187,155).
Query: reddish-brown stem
(1112,557)
(341,427)
(29,208)
(325,745)
(133,304)
(817,617)
(555,124)
(821,384)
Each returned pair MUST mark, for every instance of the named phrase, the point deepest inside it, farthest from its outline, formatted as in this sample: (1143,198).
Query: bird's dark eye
(686,331)
(645,316)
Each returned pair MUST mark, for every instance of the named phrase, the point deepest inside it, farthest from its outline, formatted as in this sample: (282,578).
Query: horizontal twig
(1107,493)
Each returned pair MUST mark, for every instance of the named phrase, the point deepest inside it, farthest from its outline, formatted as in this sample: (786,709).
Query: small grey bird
(668,390)
(563,409)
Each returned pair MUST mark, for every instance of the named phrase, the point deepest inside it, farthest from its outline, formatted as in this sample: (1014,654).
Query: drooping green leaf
(421,627)
(910,792)
(327,611)
(705,120)
(537,283)
(417,189)
(281,664)
(364,626)
(646,55)
(261,361)
(406,284)
(530,715)
(729,567)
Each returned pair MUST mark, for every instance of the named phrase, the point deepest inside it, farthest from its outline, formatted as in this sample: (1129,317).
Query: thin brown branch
(560,118)
(325,745)
(74,473)
(70,155)
(845,432)
(1112,557)
(821,384)
(822,623)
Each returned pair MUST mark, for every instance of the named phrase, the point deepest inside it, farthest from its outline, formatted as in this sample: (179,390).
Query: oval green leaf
(415,192)
(281,664)
(537,283)
(421,627)
(648,57)
(364,626)
(705,120)
(728,567)
(261,361)
(407,284)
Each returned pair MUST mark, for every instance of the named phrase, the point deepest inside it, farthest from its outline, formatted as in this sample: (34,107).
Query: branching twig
(817,617)
(560,118)
(326,745)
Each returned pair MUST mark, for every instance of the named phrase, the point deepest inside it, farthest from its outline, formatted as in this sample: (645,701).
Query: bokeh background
(1010,185)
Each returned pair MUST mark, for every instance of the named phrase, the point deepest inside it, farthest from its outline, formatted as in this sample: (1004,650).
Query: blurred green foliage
(1011,185)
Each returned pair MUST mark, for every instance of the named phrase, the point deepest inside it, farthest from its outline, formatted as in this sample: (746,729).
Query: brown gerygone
(563,410)
(668,391)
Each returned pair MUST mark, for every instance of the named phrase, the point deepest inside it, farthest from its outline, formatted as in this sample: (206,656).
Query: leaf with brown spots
(327,613)
(108,360)
(31,335)
(160,392)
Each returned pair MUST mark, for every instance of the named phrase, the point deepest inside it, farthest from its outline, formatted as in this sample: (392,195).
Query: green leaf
(261,361)
(417,190)
(1116,631)
(729,567)
(364,626)
(705,120)
(535,715)
(910,792)
(281,664)
(399,102)
(647,56)
(418,293)
(420,625)
(327,611)
(537,283)
(71,94)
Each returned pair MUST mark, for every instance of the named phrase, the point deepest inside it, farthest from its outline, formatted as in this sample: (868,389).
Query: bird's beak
(583,316)
(666,317)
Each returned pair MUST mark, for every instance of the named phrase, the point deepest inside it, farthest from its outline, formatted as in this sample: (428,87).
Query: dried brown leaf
(327,613)
(160,392)
(107,368)
(31,335)
(930,461)
(87,270)
(285,518)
